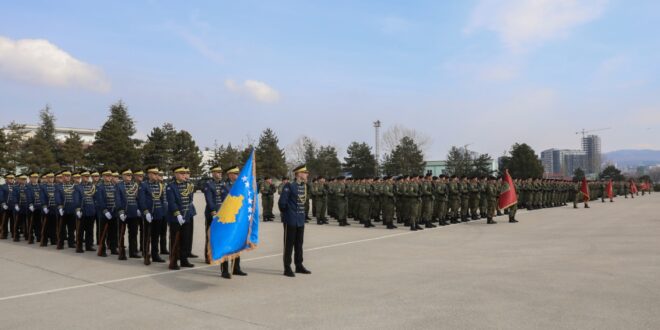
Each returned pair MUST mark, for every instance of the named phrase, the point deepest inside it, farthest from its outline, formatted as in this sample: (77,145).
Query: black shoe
(302,270)
(320,223)
(114,252)
(430,225)
(513,221)
(122,258)
(175,267)
(134,256)
(289,273)
(187,264)
(413,228)
(239,272)
(418,227)
(225,275)
(491,222)
(103,254)
(391,226)
(157,258)
(586,207)
(341,224)
(193,256)
(90,248)
(80,250)
(164,251)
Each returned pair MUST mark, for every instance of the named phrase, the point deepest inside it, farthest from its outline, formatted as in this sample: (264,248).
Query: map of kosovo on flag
(236,226)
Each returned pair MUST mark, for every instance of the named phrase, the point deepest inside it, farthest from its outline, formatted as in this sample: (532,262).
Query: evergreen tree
(326,162)
(73,151)
(458,162)
(185,152)
(269,156)
(13,146)
(406,158)
(611,172)
(360,162)
(3,152)
(155,150)
(41,151)
(481,166)
(228,156)
(578,174)
(113,145)
(523,162)
(46,132)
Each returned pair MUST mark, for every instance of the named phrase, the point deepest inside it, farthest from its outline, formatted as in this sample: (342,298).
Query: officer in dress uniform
(68,210)
(151,199)
(163,227)
(7,197)
(292,206)
(213,194)
(128,191)
(23,199)
(181,212)
(88,209)
(232,175)
(34,223)
(51,199)
(107,205)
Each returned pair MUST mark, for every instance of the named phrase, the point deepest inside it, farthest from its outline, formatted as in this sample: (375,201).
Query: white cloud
(524,23)
(39,61)
(258,90)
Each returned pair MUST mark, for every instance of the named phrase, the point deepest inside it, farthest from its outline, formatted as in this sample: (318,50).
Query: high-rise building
(591,146)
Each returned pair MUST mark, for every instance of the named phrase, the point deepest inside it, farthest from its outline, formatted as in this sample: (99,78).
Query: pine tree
(228,156)
(46,132)
(113,145)
(360,162)
(155,150)
(185,152)
(523,162)
(326,162)
(14,144)
(406,158)
(73,151)
(269,156)
(458,161)
(3,152)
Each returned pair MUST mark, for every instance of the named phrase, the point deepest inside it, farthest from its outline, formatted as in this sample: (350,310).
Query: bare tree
(298,152)
(393,135)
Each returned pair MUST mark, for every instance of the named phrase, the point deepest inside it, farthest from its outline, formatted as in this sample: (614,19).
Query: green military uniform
(267,191)
(388,202)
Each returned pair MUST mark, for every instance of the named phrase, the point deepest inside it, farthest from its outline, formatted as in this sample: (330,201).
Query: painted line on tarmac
(102,283)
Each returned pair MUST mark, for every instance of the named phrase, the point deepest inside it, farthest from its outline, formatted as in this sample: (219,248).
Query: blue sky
(486,72)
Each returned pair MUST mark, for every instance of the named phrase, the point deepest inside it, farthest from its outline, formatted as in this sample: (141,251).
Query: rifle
(146,242)
(174,251)
(101,242)
(16,218)
(122,248)
(44,220)
(60,241)
(29,232)
(78,236)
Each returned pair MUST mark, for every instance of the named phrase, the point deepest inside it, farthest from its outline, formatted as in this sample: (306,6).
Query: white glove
(61,212)
(31,208)
(122,217)
(148,217)
(45,209)
(79,214)
(108,215)
(17,208)
(139,213)
(179,218)
(4,206)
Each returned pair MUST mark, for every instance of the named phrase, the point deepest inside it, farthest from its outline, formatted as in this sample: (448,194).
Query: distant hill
(633,157)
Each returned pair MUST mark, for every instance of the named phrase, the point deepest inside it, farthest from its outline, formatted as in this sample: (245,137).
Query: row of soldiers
(98,208)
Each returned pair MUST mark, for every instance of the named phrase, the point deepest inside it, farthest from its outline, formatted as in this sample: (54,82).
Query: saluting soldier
(214,194)
(181,212)
(267,191)
(151,199)
(292,207)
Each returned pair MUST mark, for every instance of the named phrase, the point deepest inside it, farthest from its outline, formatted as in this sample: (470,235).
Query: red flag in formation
(610,190)
(508,197)
(633,187)
(585,190)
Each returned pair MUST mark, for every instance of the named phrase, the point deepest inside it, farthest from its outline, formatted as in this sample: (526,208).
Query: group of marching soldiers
(96,210)
(424,200)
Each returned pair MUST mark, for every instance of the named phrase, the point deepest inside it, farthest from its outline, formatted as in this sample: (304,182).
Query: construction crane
(583,131)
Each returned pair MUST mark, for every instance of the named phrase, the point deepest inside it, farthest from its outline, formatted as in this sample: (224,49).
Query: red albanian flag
(585,190)
(508,195)
(610,190)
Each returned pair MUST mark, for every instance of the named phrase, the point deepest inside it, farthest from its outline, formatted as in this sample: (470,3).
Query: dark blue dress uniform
(128,194)
(72,199)
(107,204)
(7,205)
(51,198)
(214,193)
(151,199)
(292,206)
(23,198)
(34,231)
(180,207)
(89,214)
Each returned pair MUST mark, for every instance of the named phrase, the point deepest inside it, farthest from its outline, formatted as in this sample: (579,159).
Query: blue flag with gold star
(235,228)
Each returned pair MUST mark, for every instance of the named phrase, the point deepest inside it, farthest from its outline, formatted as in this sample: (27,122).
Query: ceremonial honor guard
(292,206)
(232,175)
(151,199)
(34,221)
(163,227)
(51,197)
(68,211)
(85,227)
(214,194)
(107,202)
(23,206)
(7,198)
(181,212)
(128,191)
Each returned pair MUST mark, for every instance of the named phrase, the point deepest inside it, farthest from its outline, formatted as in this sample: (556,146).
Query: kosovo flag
(235,227)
